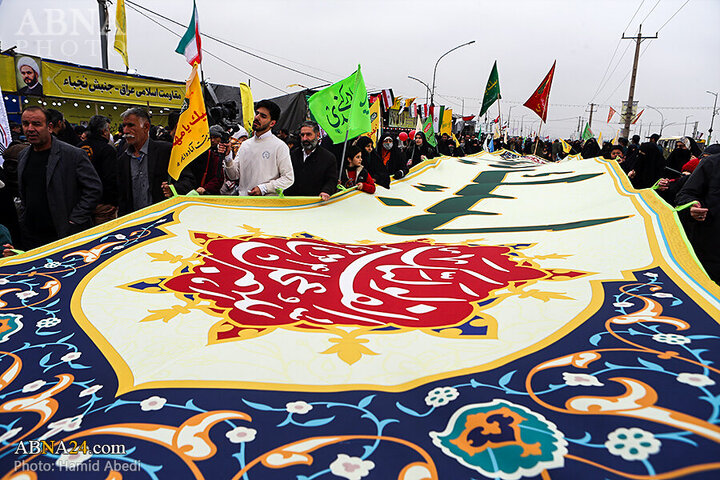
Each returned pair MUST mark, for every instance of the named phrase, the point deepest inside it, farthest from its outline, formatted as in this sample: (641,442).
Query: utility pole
(628,111)
(712,119)
(592,108)
(104,29)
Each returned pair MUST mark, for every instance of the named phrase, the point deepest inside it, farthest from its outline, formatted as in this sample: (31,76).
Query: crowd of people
(57,180)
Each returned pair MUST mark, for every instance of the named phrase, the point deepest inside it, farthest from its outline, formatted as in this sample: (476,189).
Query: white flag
(5,135)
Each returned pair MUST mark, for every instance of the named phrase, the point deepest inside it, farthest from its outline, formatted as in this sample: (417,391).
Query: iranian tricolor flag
(190,42)
(437,114)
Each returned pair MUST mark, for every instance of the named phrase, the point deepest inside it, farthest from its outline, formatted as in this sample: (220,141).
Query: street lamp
(662,118)
(685,128)
(508,119)
(712,119)
(426,86)
(522,122)
(432,91)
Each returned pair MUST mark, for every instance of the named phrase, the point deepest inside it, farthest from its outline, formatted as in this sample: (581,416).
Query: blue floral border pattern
(631,393)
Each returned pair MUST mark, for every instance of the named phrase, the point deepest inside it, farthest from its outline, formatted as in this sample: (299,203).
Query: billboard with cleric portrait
(29,75)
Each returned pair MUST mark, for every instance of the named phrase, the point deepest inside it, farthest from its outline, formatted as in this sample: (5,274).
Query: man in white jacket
(262,165)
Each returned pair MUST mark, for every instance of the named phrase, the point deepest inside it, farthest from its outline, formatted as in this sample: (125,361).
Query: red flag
(538,101)
(610,114)
(497,120)
(637,116)
(468,118)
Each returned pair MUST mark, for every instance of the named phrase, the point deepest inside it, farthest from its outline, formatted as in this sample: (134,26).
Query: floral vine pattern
(631,393)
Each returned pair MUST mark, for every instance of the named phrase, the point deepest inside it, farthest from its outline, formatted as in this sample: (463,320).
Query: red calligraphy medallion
(261,282)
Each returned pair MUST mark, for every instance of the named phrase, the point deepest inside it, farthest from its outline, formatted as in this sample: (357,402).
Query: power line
(281,58)
(652,10)
(613,70)
(207,52)
(673,15)
(230,45)
(600,83)
(647,46)
(633,17)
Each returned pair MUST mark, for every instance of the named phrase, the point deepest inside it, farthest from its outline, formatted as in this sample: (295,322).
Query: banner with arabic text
(78,83)
(466,324)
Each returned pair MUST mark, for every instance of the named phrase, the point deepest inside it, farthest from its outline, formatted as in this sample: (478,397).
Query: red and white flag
(637,116)
(610,114)
(387,99)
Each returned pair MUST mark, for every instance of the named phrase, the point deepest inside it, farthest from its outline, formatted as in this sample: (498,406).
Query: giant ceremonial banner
(487,317)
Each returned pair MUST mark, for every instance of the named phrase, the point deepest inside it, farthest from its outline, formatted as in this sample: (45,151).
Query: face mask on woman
(388,145)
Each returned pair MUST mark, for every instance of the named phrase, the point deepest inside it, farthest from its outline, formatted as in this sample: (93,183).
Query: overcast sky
(392,39)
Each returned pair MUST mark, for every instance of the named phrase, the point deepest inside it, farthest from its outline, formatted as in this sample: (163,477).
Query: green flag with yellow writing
(492,90)
(342,109)
(429,132)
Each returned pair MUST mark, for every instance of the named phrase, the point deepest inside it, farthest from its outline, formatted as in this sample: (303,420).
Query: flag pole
(202,76)
(537,141)
(347,131)
(499,118)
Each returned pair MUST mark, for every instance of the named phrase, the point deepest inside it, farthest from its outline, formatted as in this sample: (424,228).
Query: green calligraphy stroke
(470,195)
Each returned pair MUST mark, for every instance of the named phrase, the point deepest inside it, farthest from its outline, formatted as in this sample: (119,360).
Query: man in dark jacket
(703,188)
(58,185)
(143,165)
(315,168)
(62,129)
(104,158)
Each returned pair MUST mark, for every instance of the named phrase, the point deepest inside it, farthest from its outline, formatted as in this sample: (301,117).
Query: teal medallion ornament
(502,440)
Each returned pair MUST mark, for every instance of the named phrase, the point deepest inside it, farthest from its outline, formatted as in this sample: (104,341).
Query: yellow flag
(615,140)
(121,32)
(565,145)
(396,104)
(457,143)
(374,121)
(409,101)
(248,107)
(446,122)
(192,136)
(599,140)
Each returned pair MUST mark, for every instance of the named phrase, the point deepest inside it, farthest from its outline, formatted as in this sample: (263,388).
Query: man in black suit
(315,168)
(143,164)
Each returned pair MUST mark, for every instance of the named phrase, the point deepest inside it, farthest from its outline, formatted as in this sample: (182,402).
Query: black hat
(216,131)
(712,149)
